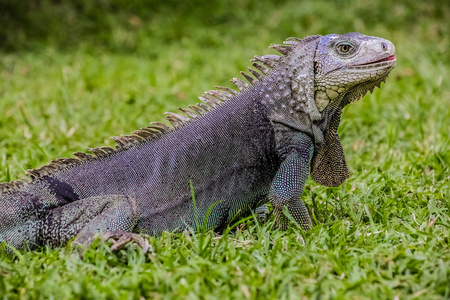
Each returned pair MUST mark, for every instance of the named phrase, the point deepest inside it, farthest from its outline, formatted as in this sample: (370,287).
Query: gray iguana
(237,149)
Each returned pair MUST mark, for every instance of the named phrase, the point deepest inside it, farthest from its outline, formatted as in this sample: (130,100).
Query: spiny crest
(209,101)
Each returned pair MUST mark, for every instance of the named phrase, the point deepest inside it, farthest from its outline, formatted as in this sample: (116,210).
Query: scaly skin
(235,150)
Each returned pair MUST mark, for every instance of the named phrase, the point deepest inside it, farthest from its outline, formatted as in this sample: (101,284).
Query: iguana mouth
(387,61)
(392,57)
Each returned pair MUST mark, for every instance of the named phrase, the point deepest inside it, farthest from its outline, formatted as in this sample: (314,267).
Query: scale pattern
(236,150)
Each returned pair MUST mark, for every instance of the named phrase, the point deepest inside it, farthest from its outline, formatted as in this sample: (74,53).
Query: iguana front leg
(85,218)
(288,184)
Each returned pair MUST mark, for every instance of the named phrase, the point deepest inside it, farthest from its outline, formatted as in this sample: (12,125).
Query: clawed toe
(120,238)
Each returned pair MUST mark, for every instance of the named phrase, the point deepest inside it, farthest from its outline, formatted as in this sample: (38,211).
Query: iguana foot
(120,238)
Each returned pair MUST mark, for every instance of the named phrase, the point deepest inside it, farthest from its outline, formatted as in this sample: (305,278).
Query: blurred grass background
(73,73)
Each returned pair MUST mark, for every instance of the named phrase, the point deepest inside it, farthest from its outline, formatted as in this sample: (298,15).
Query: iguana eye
(344,48)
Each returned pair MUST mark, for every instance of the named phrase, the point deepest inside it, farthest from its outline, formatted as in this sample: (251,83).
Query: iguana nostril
(384,46)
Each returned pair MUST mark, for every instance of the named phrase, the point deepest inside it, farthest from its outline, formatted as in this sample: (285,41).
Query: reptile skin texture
(237,150)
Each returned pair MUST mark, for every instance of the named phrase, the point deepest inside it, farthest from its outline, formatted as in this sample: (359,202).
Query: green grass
(92,73)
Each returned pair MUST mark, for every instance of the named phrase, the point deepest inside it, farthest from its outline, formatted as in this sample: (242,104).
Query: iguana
(236,149)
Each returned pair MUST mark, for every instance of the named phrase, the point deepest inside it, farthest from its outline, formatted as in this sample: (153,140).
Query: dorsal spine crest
(210,100)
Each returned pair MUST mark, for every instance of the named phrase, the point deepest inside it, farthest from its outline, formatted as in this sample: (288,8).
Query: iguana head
(350,65)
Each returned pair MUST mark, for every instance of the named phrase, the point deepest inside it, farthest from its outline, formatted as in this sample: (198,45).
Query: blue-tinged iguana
(236,149)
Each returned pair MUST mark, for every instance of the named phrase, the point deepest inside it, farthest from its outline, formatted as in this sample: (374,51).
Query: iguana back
(227,155)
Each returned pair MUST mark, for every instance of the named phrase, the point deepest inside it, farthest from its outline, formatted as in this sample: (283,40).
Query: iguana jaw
(381,68)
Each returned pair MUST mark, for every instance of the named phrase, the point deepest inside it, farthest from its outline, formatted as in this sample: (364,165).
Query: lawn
(72,75)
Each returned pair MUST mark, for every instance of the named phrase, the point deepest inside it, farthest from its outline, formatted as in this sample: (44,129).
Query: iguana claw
(120,238)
